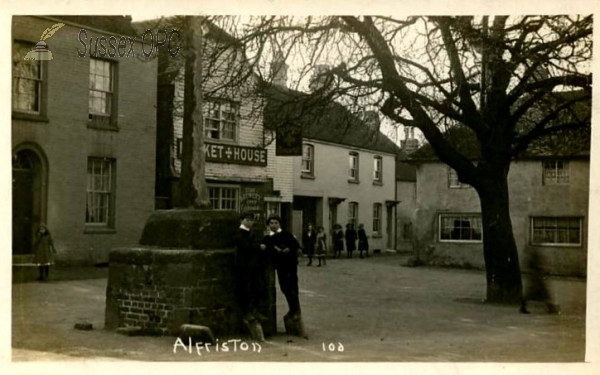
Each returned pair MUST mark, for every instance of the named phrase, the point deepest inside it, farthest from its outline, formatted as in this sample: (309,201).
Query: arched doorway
(27,199)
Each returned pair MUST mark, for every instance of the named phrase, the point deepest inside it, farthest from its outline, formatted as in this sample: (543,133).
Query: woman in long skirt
(350,239)
(363,242)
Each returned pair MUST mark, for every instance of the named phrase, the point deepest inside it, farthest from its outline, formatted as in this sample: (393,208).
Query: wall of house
(67,142)
(331,181)
(250,133)
(528,197)
(405,215)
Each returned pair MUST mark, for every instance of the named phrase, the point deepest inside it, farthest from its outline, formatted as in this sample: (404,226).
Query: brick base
(159,290)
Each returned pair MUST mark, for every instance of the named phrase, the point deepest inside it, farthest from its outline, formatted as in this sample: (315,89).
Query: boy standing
(283,247)
(249,271)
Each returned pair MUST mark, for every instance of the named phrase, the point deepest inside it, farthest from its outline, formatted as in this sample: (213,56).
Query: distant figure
(536,289)
(338,240)
(43,251)
(363,242)
(309,239)
(321,246)
(350,239)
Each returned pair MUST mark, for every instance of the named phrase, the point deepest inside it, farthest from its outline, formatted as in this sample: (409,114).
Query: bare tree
(508,82)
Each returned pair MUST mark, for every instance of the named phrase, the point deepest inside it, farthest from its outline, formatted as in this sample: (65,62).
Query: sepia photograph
(384,187)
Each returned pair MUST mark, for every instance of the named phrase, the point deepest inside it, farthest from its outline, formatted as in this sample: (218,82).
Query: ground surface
(375,308)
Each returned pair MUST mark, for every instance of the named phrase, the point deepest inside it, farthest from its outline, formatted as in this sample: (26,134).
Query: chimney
(319,80)
(371,119)
(279,69)
(410,143)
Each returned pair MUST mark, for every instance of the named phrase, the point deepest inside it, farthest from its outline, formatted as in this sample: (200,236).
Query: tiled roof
(322,120)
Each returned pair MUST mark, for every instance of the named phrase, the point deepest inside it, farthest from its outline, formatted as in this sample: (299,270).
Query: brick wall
(159,290)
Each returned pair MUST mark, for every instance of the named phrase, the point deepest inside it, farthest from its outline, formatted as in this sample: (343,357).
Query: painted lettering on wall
(234,154)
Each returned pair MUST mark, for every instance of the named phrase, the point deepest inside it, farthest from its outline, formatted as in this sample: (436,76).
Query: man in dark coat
(283,247)
(249,270)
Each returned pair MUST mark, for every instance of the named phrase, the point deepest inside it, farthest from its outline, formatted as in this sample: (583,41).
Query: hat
(273,217)
(246,215)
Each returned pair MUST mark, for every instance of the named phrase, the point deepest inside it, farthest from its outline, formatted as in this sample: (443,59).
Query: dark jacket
(338,241)
(247,252)
(282,240)
(350,239)
(309,242)
(363,242)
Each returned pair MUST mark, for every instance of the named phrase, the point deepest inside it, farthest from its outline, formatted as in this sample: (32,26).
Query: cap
(246,215)
(273,217)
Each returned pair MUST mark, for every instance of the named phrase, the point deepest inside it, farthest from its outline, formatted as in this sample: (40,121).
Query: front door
(24,176)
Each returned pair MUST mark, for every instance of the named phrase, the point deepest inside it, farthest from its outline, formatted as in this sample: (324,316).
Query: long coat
(363,242)
(350,239)
(309,239)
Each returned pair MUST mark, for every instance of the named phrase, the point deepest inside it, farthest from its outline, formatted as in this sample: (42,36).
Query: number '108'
(332,347)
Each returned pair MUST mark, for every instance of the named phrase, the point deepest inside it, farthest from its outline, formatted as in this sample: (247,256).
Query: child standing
(43,253)
(321,246)
(338,241)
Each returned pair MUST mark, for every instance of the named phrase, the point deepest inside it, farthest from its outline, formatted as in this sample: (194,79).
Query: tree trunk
(499,247)
(193,191)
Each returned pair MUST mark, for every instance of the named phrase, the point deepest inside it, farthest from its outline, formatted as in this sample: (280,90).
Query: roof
(322,119)
(120,25)
(572,143)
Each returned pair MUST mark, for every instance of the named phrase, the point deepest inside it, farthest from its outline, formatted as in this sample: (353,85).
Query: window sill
(377,236)
(223,141)
(377,183)
(307,176)
(353,181)
(97,126)
(29,117)
(565,245)
(99,230)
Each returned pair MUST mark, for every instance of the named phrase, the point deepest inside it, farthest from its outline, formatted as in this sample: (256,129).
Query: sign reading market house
(234,154)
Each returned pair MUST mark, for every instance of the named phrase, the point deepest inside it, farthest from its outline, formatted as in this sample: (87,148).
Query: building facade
(83,139)
(340,184)
(406,193)
(241,170)
(345,172)
(548,208)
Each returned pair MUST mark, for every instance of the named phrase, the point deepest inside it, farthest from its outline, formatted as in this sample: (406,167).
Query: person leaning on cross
(283,248)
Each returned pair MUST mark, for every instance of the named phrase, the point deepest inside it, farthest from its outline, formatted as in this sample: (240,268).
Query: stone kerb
(182,273)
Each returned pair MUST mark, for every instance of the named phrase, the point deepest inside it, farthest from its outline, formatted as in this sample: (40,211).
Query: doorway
(390,227)
(27,177)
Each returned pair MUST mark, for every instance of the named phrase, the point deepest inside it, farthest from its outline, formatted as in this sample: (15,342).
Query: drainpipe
(395,209)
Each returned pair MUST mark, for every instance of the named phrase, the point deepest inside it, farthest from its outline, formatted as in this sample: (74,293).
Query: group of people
(350,237)
(279,247)
(315,244)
